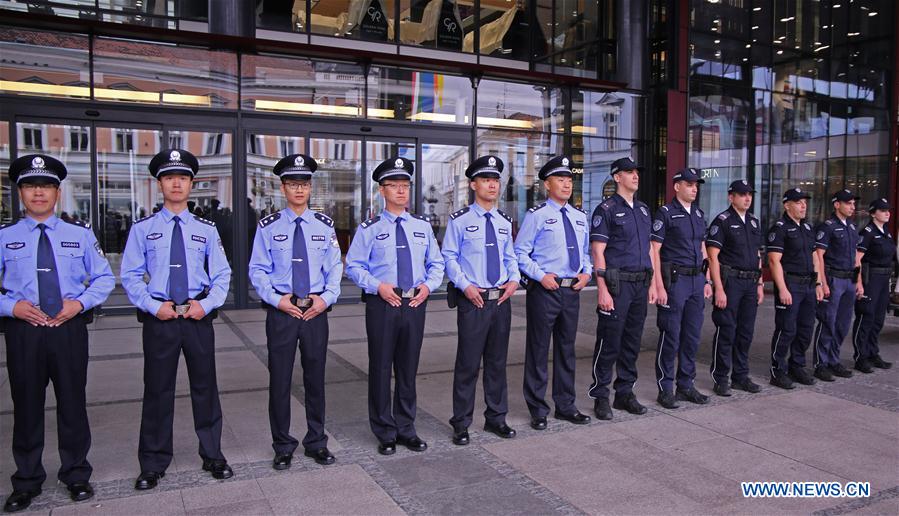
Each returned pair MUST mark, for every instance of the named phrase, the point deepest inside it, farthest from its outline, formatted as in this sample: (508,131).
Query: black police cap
(692,175)
(485,166)
(557,166)
(844,196)
(879,204)
(295,166)
(174,161)
(393,168)
(623,164)
(37,168)
(740,186)
(795,194)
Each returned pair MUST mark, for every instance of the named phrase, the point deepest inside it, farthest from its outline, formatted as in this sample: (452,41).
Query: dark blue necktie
(49,296)
(300,262)
(403,258)
(178,266)
(492,252)
(574,260)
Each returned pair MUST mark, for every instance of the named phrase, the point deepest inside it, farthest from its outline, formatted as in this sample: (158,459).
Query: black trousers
(483,332)
(734,328)
(394,345)
(164,342)
(282,332)
(34,357)
(551,314)
(870,314)
(793,327)
(618,335)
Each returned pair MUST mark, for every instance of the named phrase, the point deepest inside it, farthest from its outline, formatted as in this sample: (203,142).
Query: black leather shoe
(388,448)
(667,400)
(800,375)
(20,500)
(147,480)
(538,423)
(321,456)
(783,381)
(80,491)
(412,443)
(629,403)
(722,389)
(282,461)
(880,363)
(824,374)
(219,469)
(461,438)
(576,418)
(864,366)
(692,395)
(746,385)
(841,371)
(602,409)
(503,430)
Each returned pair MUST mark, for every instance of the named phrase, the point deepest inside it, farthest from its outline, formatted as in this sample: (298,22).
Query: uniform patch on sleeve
(644,210)
(771,237)
(713,230)
(334,242)
(597,220)
(820,235)
(657,225)
(754,224)
(99,249)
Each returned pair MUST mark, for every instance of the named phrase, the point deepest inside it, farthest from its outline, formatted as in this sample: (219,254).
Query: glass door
(376,151)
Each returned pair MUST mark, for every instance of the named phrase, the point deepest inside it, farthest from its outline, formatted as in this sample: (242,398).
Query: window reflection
(419,96)
(370,20)
(520,106)
(6,208)
(441,24)
(45,64)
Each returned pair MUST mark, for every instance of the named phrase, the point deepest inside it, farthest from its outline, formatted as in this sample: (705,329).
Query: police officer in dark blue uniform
(552,251)
(481,264)
(619,236)
(836,240)
(734,246)
(794,266)
(394,258)
(54,274)
(679,258)
(189,279)
(295,268)
(876,258)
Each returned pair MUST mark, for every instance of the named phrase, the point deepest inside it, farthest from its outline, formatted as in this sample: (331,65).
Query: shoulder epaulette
(326,219)
(7,224)
(504,215)
(606,204)
(148,217)
(723,215)
(265,221)
(419,217)
(868,229)
(535,208)
(461,212)
(83,223)
(779,223)
(665,207)
(370,221)
(204,221)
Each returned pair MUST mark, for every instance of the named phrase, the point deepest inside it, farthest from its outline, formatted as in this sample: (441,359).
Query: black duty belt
(839,273)
(753,274)
(686,271)
(633,277)
(182,308)
(880,270)
(809,279)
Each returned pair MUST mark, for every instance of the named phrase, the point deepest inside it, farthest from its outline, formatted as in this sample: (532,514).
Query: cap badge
(298,162)
(175,156)
(491,161)
(399,162)
(37,162)
(564,162)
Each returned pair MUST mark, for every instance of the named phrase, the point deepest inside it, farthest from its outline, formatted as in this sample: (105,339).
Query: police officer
(876,257)
(189,278)
(394,258)
(45,307)
(836,240)
(679,260)
(793,265)
(734,245)
(296,269)
(552,252)
(480,262)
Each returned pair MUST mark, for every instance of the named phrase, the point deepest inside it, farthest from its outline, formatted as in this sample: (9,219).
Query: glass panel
(45,64)
(442,24)
(147,73)
(370,20)
(606,114)
(284,16)
(302,86)
(594,157)
(508,30)
(444,187)
(140,12)
(6,208)
(577,29)
(69,9)
(375,153)
(399,94)
(515,105)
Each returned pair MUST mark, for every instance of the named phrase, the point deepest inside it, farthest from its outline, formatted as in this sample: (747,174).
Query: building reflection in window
(45,64)
(419,96)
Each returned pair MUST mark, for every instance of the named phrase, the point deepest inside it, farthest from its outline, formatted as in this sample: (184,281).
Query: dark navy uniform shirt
(625,231)
(739,241)
(681,233)
(878,246)
(796,242)
(839,240)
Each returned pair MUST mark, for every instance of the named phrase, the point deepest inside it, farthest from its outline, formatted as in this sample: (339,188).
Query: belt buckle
(566,282)
(182,309)
(408,294)
(493,294)
(302,302)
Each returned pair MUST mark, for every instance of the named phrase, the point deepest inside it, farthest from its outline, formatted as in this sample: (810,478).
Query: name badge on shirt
(318,238)
(622,214)
(418,234)
(198,238)
(154,236)
(678,216)
(382,236)
(471,229)
(15,245)
(280,238)
(503,231)
(74,245)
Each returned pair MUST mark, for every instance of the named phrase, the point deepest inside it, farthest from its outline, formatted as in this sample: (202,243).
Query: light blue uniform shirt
(371,259)
(271,266)
(84,273)
(465,248)
(541,245)
(148,251)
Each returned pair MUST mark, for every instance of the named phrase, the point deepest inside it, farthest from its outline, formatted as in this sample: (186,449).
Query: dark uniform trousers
(35,356)
(550,313)
(282,333)
(394,344)
(483,332)
(680,326)
(870,313)
(793,327)
(833,314)
(618,335)
(163,343)
(734,328)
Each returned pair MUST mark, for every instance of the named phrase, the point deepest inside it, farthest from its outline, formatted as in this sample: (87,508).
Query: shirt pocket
(383,251)
(195,252)
(158,255)
(281,256)
(475,243)
(71,260)
(16,263)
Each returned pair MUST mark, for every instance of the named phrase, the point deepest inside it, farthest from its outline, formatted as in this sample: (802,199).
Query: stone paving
(685,461)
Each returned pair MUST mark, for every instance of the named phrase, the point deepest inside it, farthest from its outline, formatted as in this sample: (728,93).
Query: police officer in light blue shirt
(394,258)
(481,264)
(189,277)
(54,274)
(296,269)
(552,249)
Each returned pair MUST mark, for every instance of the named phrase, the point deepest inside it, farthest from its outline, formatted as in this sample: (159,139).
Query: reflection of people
(176,249)
(46,315)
